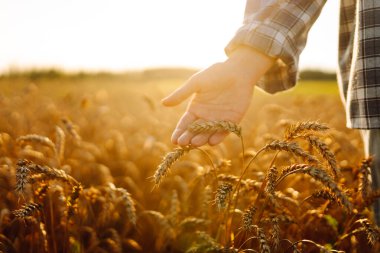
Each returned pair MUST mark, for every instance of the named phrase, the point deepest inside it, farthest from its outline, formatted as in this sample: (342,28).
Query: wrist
(251,63)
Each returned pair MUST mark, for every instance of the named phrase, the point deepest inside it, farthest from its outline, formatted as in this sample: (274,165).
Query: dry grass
(76,170)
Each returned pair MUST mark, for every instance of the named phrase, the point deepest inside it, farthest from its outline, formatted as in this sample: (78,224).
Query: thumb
(180,94)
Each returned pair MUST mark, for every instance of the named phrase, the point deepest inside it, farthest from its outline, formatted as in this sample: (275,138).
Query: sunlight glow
(119,35)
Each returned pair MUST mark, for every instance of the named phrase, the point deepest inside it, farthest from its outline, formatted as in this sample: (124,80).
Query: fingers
(217,138)
(180,94)
(181,136)
(181,127)
(185,138)
(200,139)
(197,140)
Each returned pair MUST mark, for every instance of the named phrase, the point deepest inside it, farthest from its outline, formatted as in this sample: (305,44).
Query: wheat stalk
(207,199)
(59,143)
(205,243)
(281,196)
(27,210)
(325,194)
(22,177)
(324,178)
(248,184)
(161,219)
(372,232)
(292,148)
(27,152)
(248,217)
(290,169)
(175,208)
(71,129)
(221,195)
(192,223)
(167,162)
(129,204)
(271,180)
(212,126)
(41,191)
(35,138)
(294,130)
(73,199)
(321,176)
(323,149)
(44,236)
(275,233)
(263,243)
(321,248)
(25,167)
(365,172)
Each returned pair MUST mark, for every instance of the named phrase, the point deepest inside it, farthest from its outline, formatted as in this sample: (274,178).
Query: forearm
(278,29)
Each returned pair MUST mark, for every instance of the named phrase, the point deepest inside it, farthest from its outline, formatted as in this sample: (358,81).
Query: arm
(264,51)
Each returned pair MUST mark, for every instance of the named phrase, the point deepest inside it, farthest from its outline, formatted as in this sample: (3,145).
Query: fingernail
(176,134)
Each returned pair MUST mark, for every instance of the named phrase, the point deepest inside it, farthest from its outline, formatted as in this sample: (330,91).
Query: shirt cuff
(284,72)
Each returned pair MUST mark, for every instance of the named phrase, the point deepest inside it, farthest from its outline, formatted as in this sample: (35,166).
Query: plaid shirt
(279,29)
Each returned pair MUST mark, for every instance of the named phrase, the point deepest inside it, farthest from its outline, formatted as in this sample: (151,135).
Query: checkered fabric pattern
(279,28)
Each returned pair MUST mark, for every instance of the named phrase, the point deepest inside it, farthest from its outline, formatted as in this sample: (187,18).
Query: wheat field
(86,165)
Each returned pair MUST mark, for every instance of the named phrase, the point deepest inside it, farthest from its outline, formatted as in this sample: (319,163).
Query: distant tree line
(317,75)
(148,74)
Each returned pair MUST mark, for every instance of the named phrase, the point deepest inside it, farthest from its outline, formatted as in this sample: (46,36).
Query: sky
(118,35)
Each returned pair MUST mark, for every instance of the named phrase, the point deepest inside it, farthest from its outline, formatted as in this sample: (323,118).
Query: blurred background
(120,35)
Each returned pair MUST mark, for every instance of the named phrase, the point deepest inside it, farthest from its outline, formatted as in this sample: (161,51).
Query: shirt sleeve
(277,28)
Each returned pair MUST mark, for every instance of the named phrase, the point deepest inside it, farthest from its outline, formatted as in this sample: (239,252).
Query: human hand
(221,92)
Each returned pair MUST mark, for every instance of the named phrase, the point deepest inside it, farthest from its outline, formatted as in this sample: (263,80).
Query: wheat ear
(175,208)
(373,233)
(365,172)
(271,183)
(323,177)
(325,194)
(59,143)
(211,126)
(296,129)
(221,195)
(71,129)
(22,177)
(25,167)
(35,138)
(248,217)
(72,201)
(323,149)
(292,148)
(129,204)
(275,233)
(27,210)
(192,223)
(263,242)
(168,160)
(248,184)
